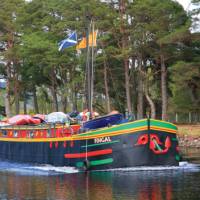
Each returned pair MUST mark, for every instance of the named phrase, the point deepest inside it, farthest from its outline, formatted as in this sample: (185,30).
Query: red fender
(154,143)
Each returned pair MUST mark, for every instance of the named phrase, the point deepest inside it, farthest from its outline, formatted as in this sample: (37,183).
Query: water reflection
(157,185)
(127,185)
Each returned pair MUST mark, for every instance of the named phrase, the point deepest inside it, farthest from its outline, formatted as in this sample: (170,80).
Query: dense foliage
(146,59)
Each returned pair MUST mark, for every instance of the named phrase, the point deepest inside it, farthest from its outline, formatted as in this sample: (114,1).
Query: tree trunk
(36,107)
(140,101)
(152,105)
(10,44)
(163,87)
(64,103)
(53,90)
(149,100)
(122,8)
(8,91)
(140,98)
(74,98)
(7,100)
(16,92)
(106,88)
(17,105)
(54,99)
(25,104)
(127,85)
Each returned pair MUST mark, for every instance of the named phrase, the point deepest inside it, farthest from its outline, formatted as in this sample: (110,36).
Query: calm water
(19,181)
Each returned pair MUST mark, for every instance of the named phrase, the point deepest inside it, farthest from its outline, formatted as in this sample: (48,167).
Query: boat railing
(47,130)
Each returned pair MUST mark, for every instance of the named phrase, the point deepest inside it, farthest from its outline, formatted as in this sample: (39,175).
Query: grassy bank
(188,130)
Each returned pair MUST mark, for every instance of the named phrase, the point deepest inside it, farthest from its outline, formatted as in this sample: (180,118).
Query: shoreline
(189,135)
(189,141)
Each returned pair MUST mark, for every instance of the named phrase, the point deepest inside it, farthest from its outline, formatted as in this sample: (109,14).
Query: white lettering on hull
(102,140)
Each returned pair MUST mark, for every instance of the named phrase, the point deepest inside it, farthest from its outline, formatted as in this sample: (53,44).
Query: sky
(188,7)
(184,3)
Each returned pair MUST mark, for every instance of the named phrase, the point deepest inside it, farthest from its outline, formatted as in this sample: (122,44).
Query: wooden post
(176,117)
(190,117)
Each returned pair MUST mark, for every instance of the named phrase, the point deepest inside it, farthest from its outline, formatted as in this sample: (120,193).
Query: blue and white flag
(69,42)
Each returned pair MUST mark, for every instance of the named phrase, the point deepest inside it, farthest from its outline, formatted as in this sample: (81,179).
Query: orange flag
(83,43)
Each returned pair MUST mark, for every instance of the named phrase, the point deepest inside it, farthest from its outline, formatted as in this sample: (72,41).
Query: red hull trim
(89,154)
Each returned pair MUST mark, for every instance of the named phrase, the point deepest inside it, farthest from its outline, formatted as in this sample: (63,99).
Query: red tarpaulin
(23,120)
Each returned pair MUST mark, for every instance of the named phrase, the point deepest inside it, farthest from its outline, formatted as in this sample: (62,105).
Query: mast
(90,66)
(88,95)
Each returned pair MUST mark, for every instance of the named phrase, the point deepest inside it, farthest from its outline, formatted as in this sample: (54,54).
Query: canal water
(19,181)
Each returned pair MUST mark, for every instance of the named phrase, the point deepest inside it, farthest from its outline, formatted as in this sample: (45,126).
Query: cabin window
(15,134)
(4,132)
(49,133)
(31,134)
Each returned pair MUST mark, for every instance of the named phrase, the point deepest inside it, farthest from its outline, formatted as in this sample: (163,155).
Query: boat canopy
(103,121)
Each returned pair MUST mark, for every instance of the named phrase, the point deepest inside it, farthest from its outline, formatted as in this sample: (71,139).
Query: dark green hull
(133,144)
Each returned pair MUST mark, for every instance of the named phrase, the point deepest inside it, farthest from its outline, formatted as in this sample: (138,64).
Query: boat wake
(50,168)
(27,169)
(182,166)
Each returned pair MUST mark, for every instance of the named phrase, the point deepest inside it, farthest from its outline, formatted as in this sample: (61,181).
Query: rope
(86,153)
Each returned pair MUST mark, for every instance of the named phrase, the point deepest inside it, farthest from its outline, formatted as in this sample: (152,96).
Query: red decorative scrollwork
(155,143)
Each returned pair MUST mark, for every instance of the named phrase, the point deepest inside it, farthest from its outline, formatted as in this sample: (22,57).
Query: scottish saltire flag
(69,42)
